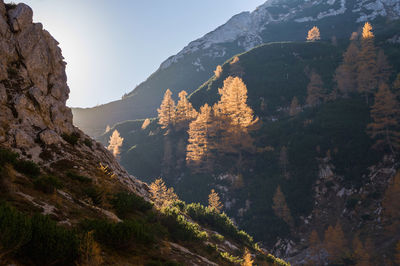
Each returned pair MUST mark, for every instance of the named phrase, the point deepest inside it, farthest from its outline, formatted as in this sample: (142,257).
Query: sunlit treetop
(367,31)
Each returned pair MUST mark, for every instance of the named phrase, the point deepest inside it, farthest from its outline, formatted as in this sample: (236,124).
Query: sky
(111,46)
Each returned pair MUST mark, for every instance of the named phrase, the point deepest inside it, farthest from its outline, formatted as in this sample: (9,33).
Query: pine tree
(146,123)
(367,66)
(384,68)
(346,73)
(335,243)
(294,107)
(161,195)
(280,207)
(236,118)
(214,202)
(185,113)
(201,141)
(385,125)
(313,34)
(314,244)
(218,71)
(115,143)
(315,90)
(247,260)
(391,204)
(284,161)
(166,112)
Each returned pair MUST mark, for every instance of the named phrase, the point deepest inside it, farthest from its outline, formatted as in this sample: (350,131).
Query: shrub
(28,168)
(71,138)
(127,203)
(88,143)
(120,235)
(47,184)
(82,179)
(7,156)
(95,194)
(217,237)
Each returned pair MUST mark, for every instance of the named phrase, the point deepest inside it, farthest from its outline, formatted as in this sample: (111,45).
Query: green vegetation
(71,138)
(79,178)
(47,184)
(28,168)
(128,203)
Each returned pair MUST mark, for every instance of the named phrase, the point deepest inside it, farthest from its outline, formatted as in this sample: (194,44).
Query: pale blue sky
(110,46)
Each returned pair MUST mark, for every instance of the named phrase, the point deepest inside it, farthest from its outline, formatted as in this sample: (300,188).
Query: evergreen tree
(185,112)
(313,34)
(294,107)
(346,73)
(385,125)
(201,140)
(315,90)
(280,207)
(166,112)
(334,242)
(214,201)
(115,143)
(367,66)
(218,71)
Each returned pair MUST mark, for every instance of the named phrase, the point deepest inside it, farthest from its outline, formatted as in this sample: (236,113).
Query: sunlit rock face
(34,118)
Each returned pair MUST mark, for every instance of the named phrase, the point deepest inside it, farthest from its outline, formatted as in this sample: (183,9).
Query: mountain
(332,175)
(64,198)
(272,21)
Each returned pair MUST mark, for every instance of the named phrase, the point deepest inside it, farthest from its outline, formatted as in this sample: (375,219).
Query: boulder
(49,137)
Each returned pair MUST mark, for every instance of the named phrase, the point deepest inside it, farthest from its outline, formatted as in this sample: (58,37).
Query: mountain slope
(272,21)
(64,199)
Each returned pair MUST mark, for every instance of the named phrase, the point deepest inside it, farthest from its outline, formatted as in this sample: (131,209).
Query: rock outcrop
(34,118)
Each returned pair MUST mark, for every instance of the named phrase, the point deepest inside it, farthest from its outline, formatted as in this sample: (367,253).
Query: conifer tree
(313,34)
(384,68)
(166,112)
(315,90)
(185,112)
(335,242)
(314,244)
(280,207)
(385,125)
(346,73)
(214,201)
(294,107)
(360,253)
(90,252)
(201,140)
(247,260)
(367,65)
(218,71)
(236,118)
(115,143)
(146,123)
(161,195)
(391,204)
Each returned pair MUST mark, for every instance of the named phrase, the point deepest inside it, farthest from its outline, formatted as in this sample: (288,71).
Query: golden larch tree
(360,253)
(236,118)
(146,123)
(247,260)
(314,246)
(201,141)
(214,202)
(294,107)
(346,73)
(280,207)
(166,112)
(384,127)
(313,34)
(315,90)
(367,70)
(391,204)
(218,71)
(384,68)
(235,67)
(335,242)
(115,143)
(185,113)
(90,252)
(161,195)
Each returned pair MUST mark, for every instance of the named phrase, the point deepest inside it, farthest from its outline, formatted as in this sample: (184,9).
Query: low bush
(71,138)
(47,184)
(28,168)
(95,194)
(82,179)
(120,235)
(88,143)
(127,203)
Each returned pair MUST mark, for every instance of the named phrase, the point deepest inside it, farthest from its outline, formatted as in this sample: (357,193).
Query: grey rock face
(20,17)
